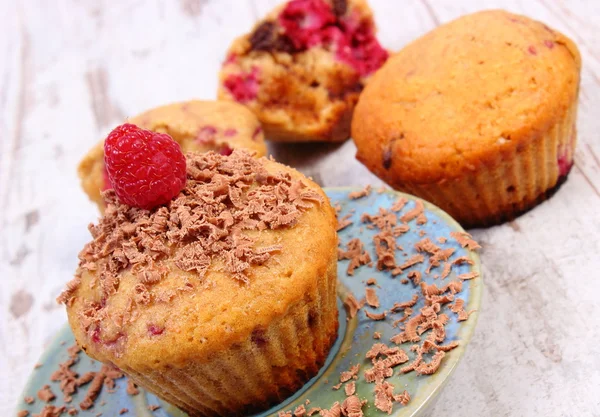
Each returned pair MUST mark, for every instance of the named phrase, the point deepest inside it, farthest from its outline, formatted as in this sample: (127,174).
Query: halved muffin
(302,68)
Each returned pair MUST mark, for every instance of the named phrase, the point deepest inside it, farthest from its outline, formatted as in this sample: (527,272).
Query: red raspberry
(145,168)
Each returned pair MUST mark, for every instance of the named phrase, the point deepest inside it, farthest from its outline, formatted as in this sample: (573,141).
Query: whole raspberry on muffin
(302,68)
(221,301)
(477,116)
(198,126)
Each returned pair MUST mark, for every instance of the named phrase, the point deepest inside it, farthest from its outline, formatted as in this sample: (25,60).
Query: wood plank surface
(70,70)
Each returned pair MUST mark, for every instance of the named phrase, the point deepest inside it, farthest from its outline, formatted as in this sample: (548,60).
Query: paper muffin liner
(513,184)
(270,365)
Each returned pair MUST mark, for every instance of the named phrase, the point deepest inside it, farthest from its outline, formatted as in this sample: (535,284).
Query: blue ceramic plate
(355,335)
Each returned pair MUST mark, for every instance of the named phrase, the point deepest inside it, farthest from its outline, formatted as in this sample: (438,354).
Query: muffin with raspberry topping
(219,301)
(303,67)
(198,126)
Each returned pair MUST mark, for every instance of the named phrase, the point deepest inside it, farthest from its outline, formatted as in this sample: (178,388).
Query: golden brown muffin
(198,126)
(477,116)
(302,68)
(221,302)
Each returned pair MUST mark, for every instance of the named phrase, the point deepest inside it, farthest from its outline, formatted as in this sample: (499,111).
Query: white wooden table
(70,70)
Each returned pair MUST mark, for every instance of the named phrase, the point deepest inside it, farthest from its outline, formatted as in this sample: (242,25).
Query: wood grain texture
(69,70)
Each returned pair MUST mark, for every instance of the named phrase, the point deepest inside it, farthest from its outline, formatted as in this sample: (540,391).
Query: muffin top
(463,94)
(211,125)
(242,243)
(198,126)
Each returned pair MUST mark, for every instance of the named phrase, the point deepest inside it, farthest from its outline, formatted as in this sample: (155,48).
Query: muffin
(477,116)
(198,126)
(302,68)
(222,301)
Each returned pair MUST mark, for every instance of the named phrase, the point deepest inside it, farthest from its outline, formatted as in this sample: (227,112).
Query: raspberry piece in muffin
(302,68)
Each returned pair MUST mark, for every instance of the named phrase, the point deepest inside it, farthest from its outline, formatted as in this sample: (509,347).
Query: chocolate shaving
(429,345)
(66,296)
(300,411)
(415,277)
(355,195)
(375,316)
(45,394)
(383,221)
(51,411)
(415,212)
(344,222)
(153,407)
(23,413)
(399,204)
(334,411)
(352,406)
(446,270)
(29,400)
(410,331)
(467,276)
(376,335)
(429,290)
(385,245)
(432,366)
(337,386)
(350,388)
(94,389)
(356,254)
(407,313)
(458,308)
(454,287)
(384,394)
(403,398)
(463,260)
(465,240)
(132,388)
(413,260)
(351,305)
(401,306)
(123,411)
(371,281)
(371,297)
(350,374)
(378,372)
